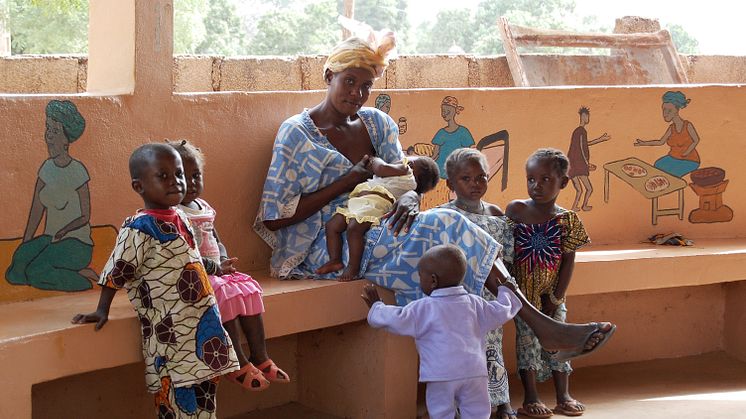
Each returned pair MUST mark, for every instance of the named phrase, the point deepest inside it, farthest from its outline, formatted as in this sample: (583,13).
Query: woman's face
(669,111)
(448,112)
(469,183)
(55,138)
(349,89)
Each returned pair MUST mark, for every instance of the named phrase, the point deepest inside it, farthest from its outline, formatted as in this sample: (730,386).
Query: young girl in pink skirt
(239,296)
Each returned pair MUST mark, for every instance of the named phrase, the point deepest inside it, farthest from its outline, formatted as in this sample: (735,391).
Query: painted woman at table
(681,136)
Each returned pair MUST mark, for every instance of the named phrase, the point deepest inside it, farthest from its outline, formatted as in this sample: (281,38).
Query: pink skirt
(237,294)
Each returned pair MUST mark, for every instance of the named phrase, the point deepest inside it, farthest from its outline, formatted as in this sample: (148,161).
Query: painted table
(651,182)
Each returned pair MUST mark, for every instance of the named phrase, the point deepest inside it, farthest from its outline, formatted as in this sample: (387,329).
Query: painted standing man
(580,160)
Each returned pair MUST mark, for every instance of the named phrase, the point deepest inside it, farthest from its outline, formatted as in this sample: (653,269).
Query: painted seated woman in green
(58,259)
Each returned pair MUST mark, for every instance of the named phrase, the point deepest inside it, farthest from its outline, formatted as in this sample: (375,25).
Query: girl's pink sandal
(249,377)
(273,373)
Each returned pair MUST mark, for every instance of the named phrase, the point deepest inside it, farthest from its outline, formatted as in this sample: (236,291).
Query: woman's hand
(404,212)
(547,307)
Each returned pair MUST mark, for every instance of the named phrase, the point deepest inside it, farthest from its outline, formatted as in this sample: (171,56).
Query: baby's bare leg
(356,242)
(334,229)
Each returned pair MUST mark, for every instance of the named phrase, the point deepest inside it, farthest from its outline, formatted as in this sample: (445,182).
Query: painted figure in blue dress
(321,154)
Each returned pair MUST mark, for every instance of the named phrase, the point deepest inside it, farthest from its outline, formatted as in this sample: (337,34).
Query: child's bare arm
(226,263)
(382,169)
(101,315)
(550,304)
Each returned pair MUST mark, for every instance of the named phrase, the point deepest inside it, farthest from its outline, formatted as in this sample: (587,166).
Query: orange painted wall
(236,131)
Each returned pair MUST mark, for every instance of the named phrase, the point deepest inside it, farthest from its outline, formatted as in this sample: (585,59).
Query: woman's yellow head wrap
(354,52)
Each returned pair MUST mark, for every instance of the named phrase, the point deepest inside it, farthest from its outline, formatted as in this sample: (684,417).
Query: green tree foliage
(685,43)
(47,26)
(478,33)
(288,27)
(310,30)
(451,27)
(385,14)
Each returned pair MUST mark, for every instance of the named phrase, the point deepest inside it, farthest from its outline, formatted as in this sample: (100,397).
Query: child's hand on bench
(370,295)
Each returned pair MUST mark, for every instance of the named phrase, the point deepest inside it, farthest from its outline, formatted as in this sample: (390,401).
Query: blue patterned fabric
(304,161)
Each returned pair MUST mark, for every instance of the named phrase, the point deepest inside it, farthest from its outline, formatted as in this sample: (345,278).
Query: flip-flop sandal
(510,414)
(525,412)
(564,355)
(273,373)
(563,409)
(249,377)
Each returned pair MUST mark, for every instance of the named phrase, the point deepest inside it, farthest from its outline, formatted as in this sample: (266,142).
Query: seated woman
(319,157)
(680,136)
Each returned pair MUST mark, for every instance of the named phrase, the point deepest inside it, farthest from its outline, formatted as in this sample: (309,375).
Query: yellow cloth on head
(355,52)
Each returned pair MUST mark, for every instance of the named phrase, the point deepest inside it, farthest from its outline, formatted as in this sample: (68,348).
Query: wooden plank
(514,36)
(675,66)
(511,54)
(532,37)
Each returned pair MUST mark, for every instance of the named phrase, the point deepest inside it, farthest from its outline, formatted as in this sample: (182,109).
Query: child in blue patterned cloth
(369,202)
(467,171)
(156,260)
(546,238)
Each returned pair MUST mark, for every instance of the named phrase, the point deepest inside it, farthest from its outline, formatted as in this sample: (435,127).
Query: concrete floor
(705,386)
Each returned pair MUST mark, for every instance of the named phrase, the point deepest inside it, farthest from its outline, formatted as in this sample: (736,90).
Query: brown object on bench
(640,50)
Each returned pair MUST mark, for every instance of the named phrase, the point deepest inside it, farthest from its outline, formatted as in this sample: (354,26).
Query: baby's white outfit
(449,328)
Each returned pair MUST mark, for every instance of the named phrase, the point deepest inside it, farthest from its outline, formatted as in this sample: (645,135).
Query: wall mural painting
(580,161)
(383,103)
(666,175)
(452,137)
(60,257)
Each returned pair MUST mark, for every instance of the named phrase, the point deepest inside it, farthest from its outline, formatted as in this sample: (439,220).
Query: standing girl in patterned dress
(467,171)
(546,238)
(239,296)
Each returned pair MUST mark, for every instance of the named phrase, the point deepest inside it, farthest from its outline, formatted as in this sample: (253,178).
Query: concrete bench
(38,344)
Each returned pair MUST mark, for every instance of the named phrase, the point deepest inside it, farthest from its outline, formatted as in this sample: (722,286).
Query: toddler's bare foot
(329,267)
(587,207)
(576,208)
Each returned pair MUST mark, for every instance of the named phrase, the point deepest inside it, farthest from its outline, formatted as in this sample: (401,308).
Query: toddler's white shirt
(449,328)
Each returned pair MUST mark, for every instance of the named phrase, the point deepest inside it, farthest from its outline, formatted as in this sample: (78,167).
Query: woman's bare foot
(329,267)
(586,337)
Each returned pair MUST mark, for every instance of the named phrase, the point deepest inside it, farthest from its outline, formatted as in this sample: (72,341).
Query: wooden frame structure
(514,36)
